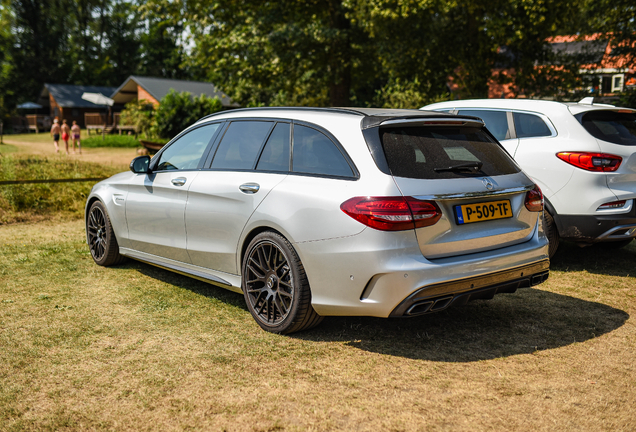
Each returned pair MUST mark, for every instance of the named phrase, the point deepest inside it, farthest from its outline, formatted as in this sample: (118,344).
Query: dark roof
(590,51)
(159,87)
(70,96)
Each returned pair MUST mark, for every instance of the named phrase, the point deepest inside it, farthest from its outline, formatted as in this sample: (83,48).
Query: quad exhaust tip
(487,293)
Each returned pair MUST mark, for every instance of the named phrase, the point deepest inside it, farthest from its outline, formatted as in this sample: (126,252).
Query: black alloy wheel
(101,238)
(275,286)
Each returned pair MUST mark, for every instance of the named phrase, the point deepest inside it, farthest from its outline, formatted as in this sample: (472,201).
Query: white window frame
(618,88)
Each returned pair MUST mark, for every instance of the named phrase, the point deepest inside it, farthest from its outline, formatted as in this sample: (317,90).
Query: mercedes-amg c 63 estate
(314,212)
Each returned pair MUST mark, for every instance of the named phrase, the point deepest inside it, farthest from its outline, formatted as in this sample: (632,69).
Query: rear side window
(530,125)
(275,156)
(611,126)
(496,121)
(315,153)
(425,152)
(241,144)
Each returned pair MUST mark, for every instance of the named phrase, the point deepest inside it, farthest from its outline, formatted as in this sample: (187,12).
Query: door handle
(179,181)
(249,188)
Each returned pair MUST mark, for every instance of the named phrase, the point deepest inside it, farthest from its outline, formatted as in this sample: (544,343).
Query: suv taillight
(534,199)
(598,162)
(392,213)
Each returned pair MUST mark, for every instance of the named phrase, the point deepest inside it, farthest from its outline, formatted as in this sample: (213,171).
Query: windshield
(431,152)
(612,126)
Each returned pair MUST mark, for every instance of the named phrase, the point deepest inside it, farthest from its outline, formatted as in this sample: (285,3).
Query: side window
(185,153)
(530,125)
(314,153)
(241,144)
(496,121)
(275,156)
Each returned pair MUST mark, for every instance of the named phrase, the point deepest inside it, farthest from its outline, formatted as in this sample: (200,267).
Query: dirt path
(38,146)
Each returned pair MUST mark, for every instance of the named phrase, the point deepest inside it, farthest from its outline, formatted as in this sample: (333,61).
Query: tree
(162,52)
(177,111)
(40,45)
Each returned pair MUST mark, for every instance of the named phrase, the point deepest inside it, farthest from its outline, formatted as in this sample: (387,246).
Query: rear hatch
(615,132)
(479,189)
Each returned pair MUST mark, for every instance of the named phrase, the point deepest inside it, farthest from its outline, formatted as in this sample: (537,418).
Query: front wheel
(275,286)
(101,237)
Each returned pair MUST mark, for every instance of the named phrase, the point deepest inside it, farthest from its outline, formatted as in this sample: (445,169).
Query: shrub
(138,113)
(111,141)
(179,110)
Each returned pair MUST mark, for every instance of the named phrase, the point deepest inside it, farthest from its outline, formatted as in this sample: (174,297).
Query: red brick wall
(144,95)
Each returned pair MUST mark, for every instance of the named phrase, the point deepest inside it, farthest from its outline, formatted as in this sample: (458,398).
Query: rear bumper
(375,273)
(597,228)
(438,297)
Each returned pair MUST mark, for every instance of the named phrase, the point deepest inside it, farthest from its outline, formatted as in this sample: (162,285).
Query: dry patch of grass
(138,348)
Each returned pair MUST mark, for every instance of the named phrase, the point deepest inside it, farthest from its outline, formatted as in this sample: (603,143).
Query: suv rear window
(611,126)
(427,152)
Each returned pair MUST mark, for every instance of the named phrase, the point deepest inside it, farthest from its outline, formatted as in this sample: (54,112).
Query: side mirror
(139,165)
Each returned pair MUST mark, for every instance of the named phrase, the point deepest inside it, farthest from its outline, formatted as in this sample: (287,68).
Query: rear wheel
(101,237)
(551,233)
(275,286)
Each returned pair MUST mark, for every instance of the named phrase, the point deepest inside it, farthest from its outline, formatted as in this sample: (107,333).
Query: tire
(275,286)
(551,233)
(101,237)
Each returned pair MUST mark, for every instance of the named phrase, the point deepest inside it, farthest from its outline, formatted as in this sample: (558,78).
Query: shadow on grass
(185,282)
(521,323)
(525,322)
(598,259)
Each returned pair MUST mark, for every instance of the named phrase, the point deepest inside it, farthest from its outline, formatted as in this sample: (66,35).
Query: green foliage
(45,198)
(179,110)
(111,141)
(627,99)
(138,113)
(399,94)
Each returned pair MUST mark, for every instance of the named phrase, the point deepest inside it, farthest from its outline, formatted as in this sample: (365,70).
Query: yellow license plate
(469,213)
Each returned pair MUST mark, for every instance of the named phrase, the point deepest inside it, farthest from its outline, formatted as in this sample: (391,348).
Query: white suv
(582,155)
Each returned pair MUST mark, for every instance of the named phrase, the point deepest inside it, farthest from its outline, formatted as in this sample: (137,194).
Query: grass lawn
(135,347)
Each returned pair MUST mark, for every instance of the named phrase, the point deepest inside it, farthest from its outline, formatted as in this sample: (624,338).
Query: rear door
(615,132)
(251,158)
(434,162)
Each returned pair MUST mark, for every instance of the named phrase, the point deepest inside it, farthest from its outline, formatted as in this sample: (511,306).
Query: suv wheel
(552,233)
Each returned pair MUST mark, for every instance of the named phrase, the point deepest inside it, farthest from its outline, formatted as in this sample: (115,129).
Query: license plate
(469,213)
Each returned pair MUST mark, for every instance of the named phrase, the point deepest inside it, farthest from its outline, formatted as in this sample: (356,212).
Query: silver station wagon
(314,212)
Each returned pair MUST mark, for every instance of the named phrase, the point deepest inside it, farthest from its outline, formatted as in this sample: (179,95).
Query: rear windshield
(432,152)
(611,126)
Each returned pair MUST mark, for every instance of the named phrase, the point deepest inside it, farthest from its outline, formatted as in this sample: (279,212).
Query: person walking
(55,133)
(66,134)
(75,130)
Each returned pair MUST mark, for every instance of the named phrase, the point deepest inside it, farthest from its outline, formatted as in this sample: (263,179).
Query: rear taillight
(392,213)
(612,205)
(534,199)
(599,162)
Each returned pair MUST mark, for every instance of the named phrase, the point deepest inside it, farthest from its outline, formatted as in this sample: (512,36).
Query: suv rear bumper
(597,228)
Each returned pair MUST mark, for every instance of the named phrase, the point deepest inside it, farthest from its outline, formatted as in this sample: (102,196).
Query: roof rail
(338,110)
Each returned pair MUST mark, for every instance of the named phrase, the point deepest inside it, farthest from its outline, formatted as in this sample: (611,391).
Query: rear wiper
(472,166)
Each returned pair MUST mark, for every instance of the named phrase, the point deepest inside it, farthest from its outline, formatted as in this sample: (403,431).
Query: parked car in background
(317,212)
(582,155)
